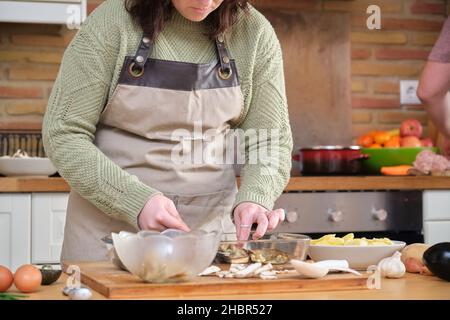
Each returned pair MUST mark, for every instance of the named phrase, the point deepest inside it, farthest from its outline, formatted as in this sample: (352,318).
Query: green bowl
(382,157)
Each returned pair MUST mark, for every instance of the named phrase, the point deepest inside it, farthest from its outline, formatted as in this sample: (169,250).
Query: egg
(6,279)
(27,278)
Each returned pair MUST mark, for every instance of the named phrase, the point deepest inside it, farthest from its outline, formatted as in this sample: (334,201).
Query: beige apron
(154,126)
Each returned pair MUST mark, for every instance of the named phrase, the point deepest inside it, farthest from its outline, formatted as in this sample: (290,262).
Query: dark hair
(152,14)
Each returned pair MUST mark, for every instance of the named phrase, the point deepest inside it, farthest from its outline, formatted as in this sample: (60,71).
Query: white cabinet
(436,231)
(31,227)
(436,216)
(15,221)
(48,216)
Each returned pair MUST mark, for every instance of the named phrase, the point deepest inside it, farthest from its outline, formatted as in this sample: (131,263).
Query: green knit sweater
(88,76)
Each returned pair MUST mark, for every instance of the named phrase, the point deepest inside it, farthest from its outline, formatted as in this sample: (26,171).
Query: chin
(197,17)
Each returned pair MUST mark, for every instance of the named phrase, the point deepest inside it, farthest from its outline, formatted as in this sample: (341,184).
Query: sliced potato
(349,239)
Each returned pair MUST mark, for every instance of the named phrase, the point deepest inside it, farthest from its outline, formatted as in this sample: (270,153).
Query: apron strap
(225,70)
(146,46)
(142,53)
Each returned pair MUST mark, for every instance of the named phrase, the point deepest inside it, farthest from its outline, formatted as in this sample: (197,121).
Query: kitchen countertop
(307,183)
(411,286)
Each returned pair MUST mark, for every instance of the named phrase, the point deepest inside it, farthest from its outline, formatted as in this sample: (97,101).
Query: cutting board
(114,283)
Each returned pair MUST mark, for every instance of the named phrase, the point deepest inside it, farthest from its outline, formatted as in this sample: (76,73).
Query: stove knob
(335,215)
(380,214)
(291,216)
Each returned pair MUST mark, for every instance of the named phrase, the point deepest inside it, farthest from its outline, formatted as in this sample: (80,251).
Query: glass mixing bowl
(277,249)
(168,256)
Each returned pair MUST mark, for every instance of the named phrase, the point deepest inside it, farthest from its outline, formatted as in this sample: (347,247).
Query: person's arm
(73,111)
(435,82)
(434,93)
(264,181)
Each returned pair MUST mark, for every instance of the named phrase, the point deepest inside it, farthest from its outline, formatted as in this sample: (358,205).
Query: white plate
(32,166)
(358,257)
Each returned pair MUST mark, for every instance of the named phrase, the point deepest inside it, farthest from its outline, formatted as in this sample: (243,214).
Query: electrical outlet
(408,92)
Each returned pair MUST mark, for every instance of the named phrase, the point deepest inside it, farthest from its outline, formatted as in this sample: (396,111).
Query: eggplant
(437,259)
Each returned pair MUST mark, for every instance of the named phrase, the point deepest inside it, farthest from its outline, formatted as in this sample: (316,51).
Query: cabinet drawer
(437,231)
(436,205)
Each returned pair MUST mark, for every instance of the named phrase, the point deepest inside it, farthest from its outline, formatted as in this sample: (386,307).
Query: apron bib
(154,126)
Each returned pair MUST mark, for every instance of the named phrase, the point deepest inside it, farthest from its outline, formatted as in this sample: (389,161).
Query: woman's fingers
(263,222)
(172,210)
(171,222)
(245,226)
(246,216)
(274,219)
(245,219)
(237,223)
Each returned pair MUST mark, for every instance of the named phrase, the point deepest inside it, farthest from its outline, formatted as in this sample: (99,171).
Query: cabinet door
(48,216)
(436,231)
(436,205)
(15,212)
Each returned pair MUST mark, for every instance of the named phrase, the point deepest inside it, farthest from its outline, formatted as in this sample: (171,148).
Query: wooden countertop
(411,286)
(56,184)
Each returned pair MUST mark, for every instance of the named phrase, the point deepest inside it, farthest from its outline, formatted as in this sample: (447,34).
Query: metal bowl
(277,248)
(50,274)
(169,256)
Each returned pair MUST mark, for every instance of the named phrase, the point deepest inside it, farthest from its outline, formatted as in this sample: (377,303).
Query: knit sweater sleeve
(263,181)
(73,111)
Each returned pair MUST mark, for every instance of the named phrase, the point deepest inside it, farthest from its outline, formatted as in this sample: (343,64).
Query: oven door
(395,214)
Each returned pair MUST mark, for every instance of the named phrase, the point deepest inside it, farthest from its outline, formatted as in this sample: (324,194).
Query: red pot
(326,160)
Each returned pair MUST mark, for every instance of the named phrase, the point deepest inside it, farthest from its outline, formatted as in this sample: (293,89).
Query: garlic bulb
(392,267)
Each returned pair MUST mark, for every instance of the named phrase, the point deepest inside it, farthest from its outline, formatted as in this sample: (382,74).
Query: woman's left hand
(248,213)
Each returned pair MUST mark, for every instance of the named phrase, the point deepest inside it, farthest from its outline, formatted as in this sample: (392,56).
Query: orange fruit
(365,141)
(376,146)
(393,142)
(381,137)
(373,133)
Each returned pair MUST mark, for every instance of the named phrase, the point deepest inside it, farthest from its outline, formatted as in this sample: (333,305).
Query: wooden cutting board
(113,283)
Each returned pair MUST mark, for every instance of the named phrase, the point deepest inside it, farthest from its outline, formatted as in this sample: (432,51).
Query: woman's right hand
(160,213)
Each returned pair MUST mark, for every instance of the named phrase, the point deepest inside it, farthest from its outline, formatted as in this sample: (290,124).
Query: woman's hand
(247,213)
(159,213)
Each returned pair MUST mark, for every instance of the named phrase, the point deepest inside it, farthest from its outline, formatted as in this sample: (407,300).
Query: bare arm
(434,92)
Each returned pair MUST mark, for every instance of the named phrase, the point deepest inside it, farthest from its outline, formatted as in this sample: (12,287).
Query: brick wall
(30,56)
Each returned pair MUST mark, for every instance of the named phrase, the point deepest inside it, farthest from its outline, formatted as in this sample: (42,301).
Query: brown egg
(6,279)
(27,278)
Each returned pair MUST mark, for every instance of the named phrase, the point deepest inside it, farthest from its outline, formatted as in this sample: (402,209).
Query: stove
(394,214)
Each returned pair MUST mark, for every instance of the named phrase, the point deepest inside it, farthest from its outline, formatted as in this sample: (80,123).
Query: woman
(136,75)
